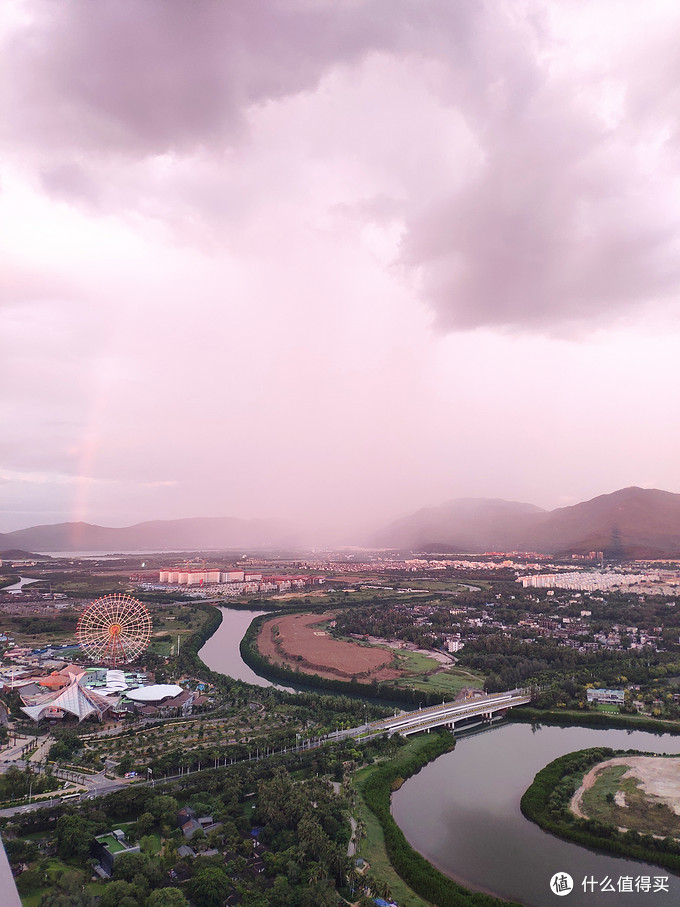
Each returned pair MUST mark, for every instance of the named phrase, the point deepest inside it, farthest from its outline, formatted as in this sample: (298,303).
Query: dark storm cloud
(155,76)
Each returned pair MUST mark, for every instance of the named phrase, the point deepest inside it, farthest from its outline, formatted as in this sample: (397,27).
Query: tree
(138,868)
(281,893)
(322,894)
(145,823)
(72,880)
(20,850)
(167,897)
(64,899)
(28,881)
(148,845)
(63,749)
(210,887)
(125,765)
(165,809)
(117,894)
(74,837)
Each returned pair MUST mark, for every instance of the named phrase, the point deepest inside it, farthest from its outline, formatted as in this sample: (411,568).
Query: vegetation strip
(597,719)
(414,869)
(546,802)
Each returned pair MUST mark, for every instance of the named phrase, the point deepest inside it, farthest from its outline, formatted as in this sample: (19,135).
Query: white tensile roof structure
(157,692)
(75,699)
(115,682)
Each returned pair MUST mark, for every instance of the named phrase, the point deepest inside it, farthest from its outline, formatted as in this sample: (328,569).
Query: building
(109,847)
(616,697)
(75,699)
(159,700)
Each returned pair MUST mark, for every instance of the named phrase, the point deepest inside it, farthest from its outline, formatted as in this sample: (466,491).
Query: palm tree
(340,864)
(383,889)
(318,873)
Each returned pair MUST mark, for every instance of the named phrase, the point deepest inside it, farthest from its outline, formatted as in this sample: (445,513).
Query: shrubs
(598,719)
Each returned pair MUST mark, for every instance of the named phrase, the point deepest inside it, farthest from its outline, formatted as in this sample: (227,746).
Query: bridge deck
(447,713)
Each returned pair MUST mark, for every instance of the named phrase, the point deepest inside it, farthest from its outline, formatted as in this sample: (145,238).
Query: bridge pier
(449,714)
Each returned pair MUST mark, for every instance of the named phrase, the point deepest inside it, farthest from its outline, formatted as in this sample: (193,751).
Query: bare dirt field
(297,641)
(659,778)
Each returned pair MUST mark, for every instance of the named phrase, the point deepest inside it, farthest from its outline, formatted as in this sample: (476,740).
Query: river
(462,813)
(18,586)
(222,653)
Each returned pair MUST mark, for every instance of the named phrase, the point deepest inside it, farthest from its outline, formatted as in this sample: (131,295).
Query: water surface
(462,813)
(222,653)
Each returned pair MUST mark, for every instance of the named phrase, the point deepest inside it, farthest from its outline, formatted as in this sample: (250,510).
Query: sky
(331,262)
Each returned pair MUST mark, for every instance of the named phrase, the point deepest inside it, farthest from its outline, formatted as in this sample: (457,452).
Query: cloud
(563,219)
(571,216)
(560,226)
(234,225)
(155,77)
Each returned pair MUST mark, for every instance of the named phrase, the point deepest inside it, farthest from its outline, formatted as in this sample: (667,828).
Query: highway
(405,723)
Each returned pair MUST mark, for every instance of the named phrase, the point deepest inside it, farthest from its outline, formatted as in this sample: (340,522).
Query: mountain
(466,525)
(16,554)
(632,522)
(173,535)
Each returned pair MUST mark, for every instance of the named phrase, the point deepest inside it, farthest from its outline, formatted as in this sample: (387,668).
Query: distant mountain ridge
(632,522)
(174,535)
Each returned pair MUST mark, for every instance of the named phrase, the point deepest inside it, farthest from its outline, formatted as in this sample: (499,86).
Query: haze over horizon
(332,263)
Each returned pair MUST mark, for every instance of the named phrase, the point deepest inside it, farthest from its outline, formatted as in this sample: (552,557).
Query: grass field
(54,870)
(372,847)
(59,627)
(448,683)
(441,585)
(415,661)
(642,812)
(111,843)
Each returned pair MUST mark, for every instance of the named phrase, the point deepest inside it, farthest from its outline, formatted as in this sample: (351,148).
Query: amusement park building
(75,699)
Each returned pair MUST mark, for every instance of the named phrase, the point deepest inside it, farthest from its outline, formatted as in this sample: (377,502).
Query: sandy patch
(659,777)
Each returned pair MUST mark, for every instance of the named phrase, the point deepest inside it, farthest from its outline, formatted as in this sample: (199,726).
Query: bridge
(448,714)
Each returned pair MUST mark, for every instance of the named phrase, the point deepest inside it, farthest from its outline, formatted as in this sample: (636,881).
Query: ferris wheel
(114,630)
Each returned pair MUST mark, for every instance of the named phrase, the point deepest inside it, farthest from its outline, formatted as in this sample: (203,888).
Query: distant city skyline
(331,263)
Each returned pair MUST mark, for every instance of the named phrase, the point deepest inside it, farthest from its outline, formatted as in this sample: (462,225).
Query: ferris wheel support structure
(114,630)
